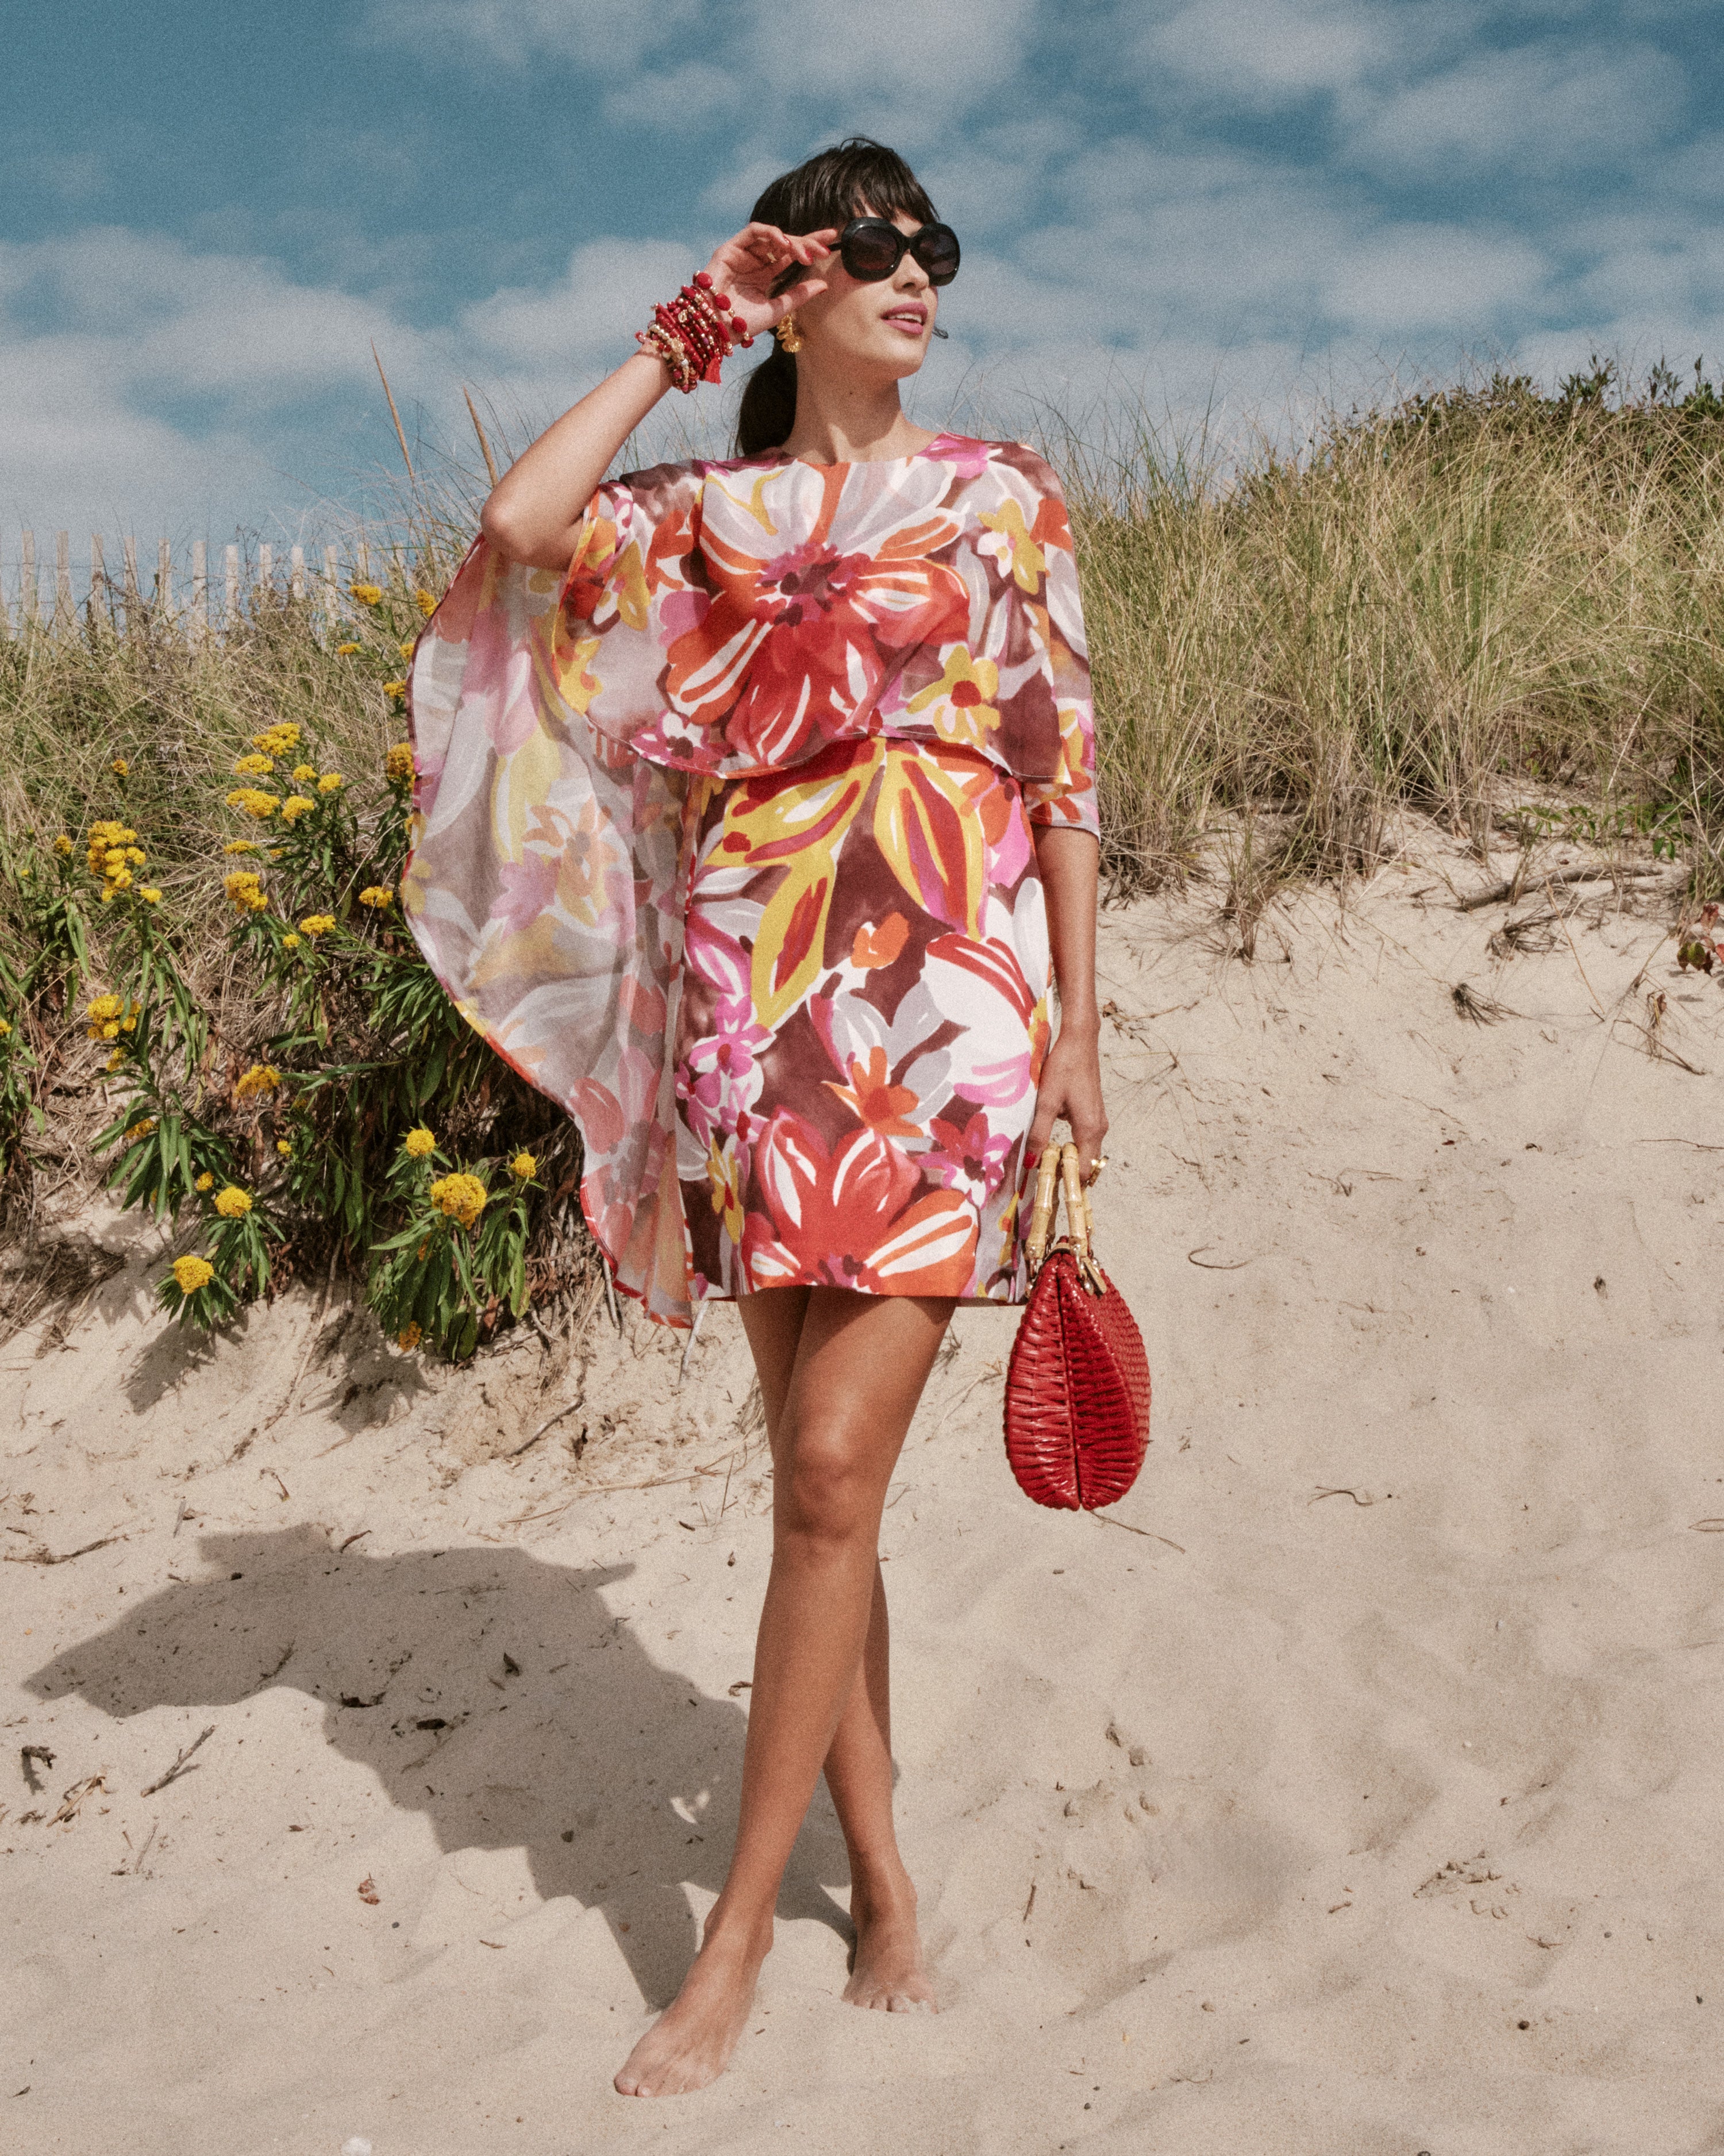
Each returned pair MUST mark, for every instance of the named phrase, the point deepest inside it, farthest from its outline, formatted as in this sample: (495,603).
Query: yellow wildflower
(346,650)
(295,806)
(428,603)
(376,895)
(406,647)
(240,846)
(63,845)
(261,1078)
(304,773)
(262,806)
(113,859)
(105,1007)
(254,766)
(129,1024)
(395,688)
(232,1203)
(420,1143)
(245,891)
(5,1029)
(277,741)
(461,1197)
(111,1030)
(289,942)
(120,879)
(409,1337)
(116,1061)
(284,1146)
(367,594)
(331,783)
(206,1181)
(140,1129)
(399,761)
(192,1273)
(317,924)
(149,894)
(119,768)
(137,856)
(524,1168)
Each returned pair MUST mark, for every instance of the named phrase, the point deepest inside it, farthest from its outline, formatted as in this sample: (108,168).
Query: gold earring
(789,335)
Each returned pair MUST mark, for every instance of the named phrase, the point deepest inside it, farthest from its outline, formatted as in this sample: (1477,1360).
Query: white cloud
(608,37)
(1410,280)
(1260,54)
(1540,110)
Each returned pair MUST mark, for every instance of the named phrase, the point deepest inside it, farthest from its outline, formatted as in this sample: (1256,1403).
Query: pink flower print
(972,1158)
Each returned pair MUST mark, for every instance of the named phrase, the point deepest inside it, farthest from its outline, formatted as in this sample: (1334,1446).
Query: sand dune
(1354,1788)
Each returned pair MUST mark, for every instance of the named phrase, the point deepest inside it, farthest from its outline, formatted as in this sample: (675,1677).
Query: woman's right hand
(746,269)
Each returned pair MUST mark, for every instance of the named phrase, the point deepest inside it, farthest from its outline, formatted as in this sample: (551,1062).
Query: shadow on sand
(617,1777)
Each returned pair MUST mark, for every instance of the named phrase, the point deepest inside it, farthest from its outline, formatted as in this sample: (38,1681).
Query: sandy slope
(1379,1821)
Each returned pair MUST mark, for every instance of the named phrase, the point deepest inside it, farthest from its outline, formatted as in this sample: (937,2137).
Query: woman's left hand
(1071,1087)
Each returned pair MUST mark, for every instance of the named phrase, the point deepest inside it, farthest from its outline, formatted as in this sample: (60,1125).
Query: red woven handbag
(1077,1387)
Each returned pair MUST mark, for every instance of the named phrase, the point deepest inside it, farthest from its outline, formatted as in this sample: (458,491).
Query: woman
(751,795)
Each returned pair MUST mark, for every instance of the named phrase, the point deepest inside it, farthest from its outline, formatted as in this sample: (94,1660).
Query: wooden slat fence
(196,607)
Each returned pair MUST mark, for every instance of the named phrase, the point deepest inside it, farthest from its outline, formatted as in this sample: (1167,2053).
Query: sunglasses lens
(936,249)
(870,250)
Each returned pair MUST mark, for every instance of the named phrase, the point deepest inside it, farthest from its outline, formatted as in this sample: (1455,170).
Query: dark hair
(858,176)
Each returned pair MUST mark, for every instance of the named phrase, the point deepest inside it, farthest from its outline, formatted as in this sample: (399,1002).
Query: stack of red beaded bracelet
(694,333)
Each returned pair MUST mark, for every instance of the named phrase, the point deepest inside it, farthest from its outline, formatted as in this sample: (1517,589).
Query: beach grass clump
(1437,602)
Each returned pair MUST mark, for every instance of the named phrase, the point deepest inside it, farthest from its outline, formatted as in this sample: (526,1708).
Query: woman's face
(882,329)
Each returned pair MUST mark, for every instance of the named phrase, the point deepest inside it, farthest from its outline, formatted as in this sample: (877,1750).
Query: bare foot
(690,2043)
(888,1972)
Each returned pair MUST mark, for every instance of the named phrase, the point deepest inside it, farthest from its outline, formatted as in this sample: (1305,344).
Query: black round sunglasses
(871,249)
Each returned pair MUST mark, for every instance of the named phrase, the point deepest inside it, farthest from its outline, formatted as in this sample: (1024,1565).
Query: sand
(1354,1787)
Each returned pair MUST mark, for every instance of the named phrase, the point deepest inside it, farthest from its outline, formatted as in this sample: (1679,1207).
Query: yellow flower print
(961,703)
(1014,551)
(721,1173)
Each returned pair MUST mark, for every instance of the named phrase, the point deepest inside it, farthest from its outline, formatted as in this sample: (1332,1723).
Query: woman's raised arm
(534,512)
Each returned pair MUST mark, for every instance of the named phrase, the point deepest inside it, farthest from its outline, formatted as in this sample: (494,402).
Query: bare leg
(855,1374)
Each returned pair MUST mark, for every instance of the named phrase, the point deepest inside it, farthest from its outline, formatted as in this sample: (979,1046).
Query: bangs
(858,178)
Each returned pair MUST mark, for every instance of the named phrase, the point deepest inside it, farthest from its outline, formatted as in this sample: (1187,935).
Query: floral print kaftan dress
(724,841)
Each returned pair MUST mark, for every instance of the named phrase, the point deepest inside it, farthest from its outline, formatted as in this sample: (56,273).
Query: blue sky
(207,215)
